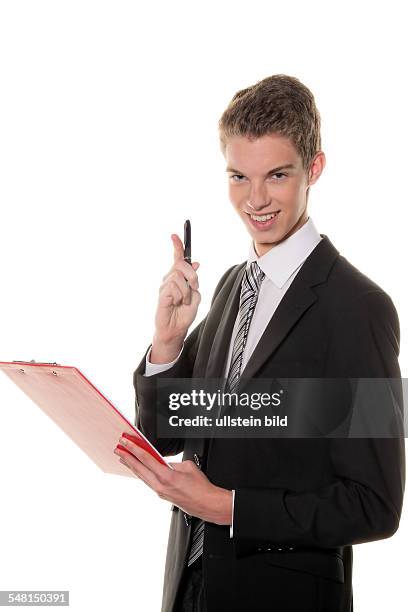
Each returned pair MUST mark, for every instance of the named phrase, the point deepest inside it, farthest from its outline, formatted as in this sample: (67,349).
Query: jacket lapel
(298,298)
(292,306)
(218,353)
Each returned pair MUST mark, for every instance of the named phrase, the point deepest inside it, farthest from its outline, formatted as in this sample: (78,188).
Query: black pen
(187,241)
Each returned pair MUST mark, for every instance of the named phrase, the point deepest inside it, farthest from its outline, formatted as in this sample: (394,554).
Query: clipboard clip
(38,362)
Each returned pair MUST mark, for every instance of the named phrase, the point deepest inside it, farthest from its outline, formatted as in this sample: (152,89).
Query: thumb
(195,265)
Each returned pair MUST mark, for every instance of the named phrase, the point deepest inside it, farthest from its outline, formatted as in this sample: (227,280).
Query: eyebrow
(285,167)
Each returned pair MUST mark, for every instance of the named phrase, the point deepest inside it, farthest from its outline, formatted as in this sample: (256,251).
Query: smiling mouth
(265,222)
(263,218)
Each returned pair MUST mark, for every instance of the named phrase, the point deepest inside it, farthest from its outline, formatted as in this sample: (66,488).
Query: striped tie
(251,283)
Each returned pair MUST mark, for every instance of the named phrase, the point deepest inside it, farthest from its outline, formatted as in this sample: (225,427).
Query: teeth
(263,217)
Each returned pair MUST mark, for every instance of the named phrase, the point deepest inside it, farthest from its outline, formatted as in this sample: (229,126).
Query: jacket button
(197,459)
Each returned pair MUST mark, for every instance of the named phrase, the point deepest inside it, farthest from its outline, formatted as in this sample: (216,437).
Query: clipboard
(83,412)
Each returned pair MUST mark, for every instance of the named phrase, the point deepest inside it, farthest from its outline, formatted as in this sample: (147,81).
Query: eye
(238,178)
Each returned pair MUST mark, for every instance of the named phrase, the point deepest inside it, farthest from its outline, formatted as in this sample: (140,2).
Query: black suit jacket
(300,504)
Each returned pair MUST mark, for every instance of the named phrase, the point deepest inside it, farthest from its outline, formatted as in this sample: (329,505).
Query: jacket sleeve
(363,501)
(146,392)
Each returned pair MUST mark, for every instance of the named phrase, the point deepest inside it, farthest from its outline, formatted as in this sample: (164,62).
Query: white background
(108,141)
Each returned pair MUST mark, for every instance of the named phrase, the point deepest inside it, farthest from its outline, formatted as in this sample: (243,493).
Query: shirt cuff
(156,368)
(232,518)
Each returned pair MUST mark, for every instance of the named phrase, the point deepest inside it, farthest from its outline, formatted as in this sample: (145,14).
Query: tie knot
(254,276)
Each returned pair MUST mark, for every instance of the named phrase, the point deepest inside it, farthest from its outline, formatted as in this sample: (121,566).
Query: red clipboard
(83,412)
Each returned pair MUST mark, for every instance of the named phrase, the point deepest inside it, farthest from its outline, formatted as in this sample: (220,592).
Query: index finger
(178,247)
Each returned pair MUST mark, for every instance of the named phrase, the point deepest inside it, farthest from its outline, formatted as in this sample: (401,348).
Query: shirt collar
(283,259)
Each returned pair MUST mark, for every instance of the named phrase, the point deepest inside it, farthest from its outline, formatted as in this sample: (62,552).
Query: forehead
(261,154)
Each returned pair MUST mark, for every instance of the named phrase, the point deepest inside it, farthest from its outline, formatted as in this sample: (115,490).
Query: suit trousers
(190,597)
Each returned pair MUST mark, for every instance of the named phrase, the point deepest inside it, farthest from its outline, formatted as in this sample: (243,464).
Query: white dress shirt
(280,265)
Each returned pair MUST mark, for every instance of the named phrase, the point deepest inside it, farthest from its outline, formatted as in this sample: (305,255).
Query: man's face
(266,176)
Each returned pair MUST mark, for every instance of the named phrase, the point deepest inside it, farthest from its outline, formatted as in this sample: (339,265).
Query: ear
(316,167)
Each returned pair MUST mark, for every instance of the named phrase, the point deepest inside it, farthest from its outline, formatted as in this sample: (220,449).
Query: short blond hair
(277,104)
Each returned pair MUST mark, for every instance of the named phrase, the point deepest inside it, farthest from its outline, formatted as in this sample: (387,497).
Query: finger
(122,453)
(178,278)
(172,290)
(182,283)
(178,245)
(139,469)
(123,462)
(144,456)
(188,272)
(143,473)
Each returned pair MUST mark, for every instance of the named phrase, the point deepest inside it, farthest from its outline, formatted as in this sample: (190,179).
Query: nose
(258,200)
(258,208)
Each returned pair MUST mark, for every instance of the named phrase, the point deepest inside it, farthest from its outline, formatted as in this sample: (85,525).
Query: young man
(274,520)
